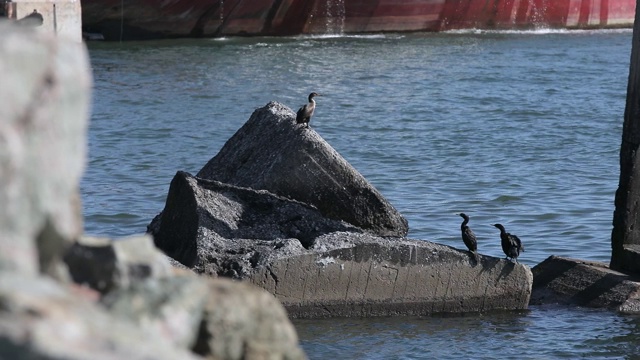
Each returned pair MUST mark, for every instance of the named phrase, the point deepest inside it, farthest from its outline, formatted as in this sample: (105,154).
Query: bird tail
(475,256)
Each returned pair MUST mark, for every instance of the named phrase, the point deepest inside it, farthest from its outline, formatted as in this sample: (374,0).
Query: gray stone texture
(347,274)
(271,152)
(201,214)
(567,281)
(151,310)
(45,92)
(626,219)
(312,234)
(104,264)
(42,319)
(243,322)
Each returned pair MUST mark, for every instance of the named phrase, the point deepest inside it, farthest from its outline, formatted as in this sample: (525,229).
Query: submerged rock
(567,281)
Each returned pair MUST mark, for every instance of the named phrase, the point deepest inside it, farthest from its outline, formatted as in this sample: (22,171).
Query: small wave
(507,198)
(539,31)
(346,36)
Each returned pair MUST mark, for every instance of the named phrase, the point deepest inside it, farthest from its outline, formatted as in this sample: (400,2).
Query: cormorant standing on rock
(511,244)
(304,114)
(468,236)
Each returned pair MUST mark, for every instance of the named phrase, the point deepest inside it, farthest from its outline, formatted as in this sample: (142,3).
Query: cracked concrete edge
(566,281)
(419,278)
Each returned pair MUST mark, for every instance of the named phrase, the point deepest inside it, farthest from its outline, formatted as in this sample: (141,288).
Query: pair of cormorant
(511,244)
(303,116)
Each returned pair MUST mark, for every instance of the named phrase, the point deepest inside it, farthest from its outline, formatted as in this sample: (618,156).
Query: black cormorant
(304,114)
(511,244)
(468,236)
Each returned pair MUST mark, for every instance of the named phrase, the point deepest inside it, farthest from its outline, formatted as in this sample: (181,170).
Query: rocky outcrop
(315,234)
(64,296)
(42,151)
(566,281)
(271,152)
(201,215)
(625,237)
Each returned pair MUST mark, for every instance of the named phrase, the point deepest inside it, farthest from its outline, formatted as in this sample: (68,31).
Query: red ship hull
(140,19)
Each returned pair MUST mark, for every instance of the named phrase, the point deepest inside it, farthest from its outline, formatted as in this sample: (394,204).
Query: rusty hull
(144,19)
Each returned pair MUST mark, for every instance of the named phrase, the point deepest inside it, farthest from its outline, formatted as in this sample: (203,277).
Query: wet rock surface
(279,208)
(566,281)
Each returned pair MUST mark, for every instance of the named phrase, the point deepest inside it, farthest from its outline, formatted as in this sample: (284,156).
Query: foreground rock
(129,302)
(43,122)
(42,319)
(314,234)
(104,265)
(566,281)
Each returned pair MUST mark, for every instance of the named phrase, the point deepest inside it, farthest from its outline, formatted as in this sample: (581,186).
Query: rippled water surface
(521,128)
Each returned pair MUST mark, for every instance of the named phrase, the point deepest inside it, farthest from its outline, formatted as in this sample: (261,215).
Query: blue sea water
(521,128)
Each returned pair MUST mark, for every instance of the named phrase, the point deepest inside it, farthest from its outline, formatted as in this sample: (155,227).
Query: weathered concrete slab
(271,152)
(566,281)
(347,274)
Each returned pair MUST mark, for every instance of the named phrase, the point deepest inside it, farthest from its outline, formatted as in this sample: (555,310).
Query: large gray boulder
(45,92)
(315,264)
(559,280)
(43,319)
(200,216)
(346,273)
(151,309)
(271,152)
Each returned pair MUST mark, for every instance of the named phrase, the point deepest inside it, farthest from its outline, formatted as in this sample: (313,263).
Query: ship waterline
(142,19)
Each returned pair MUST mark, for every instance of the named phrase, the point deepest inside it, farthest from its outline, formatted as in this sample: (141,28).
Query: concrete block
(567,281)
(379,277)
